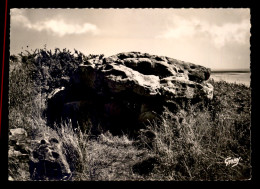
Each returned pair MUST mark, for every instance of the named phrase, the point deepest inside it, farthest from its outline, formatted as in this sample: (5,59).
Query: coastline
(238,77)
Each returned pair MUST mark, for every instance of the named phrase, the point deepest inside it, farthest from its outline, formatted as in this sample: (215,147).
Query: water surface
(232,77)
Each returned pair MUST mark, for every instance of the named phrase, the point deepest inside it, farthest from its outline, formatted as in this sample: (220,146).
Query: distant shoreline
(232,76)
(230,71)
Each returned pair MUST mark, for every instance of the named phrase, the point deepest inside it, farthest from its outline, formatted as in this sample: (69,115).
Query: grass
(195,148)
(189,145)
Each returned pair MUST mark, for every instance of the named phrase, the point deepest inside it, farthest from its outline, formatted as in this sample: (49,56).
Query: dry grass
(107,157)
(194,144)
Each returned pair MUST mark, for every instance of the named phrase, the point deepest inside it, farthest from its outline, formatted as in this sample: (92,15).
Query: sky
(214,38)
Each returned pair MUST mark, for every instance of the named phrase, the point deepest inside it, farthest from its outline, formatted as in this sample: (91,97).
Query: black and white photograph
(129,94)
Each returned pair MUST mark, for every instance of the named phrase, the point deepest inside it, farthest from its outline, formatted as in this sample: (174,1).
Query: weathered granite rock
(18,154)
(146,75)
(128,89)
(48,162)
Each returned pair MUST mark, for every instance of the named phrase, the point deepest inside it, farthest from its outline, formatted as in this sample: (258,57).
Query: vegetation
(190,145)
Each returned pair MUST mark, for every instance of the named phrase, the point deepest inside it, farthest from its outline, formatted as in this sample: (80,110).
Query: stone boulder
(18,154)
(18,141)
(18,144)
(48,162)
(145,75)
(128,90)
(41,159)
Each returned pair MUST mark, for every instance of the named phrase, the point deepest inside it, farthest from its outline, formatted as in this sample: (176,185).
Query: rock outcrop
(145,75)
(41,159)
(128,89)
(48,161)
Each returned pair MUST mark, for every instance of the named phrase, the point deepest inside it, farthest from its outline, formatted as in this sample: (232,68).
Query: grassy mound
(190,145)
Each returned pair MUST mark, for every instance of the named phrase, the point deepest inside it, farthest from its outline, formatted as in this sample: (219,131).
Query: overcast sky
(215,38)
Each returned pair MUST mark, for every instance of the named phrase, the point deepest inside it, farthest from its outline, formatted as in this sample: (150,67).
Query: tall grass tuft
(75,149)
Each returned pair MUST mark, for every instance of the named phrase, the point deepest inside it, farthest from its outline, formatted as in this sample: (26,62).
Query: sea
(239,77)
